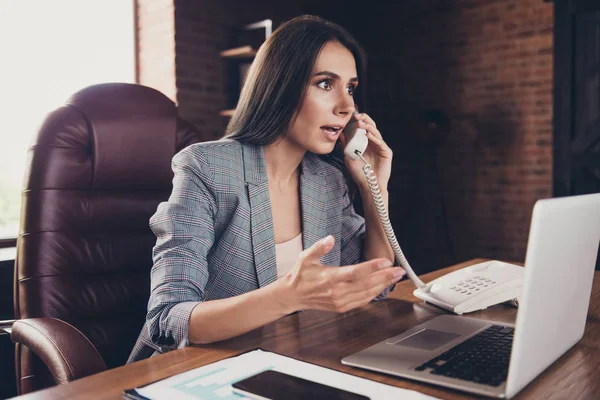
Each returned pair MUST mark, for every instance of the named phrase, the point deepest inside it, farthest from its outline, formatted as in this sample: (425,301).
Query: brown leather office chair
(97,171)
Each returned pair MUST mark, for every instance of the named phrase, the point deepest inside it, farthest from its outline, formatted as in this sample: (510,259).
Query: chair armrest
(67,353)
(6,325)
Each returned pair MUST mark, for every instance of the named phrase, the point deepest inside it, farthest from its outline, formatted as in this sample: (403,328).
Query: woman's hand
(378,154)
(311,285)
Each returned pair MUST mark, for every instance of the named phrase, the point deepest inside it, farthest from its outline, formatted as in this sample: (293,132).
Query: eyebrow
(333,75)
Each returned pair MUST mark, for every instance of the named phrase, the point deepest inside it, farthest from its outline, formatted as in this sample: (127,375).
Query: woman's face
(329,101)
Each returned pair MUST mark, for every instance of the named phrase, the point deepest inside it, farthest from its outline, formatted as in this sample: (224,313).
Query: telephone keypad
(472,284)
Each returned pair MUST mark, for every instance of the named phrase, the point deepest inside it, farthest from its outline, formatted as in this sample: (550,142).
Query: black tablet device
(275,385)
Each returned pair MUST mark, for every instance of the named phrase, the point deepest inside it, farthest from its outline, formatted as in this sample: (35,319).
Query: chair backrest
(99,167)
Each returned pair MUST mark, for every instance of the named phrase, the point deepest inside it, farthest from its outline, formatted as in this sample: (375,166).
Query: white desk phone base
(475,287)
(469,289)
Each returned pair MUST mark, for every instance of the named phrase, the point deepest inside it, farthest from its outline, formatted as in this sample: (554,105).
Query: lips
(332,129)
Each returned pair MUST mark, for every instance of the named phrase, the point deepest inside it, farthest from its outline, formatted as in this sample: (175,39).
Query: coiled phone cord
(387,226)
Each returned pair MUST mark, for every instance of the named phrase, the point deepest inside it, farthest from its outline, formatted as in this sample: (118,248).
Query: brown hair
(278,79)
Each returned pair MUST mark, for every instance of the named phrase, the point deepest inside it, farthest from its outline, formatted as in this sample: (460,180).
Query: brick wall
(486,63)
(499,158)
(203,28)
(179,43)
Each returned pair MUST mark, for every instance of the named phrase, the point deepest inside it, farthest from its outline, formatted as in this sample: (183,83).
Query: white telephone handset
(469,289)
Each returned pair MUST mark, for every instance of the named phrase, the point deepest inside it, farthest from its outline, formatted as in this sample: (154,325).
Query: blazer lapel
(261,216)
(313,197)
(313,200)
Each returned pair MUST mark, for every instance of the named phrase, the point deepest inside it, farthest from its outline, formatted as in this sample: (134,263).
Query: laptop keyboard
(482,358)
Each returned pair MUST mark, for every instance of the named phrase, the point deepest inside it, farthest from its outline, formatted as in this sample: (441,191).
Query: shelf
(239,52)
(227,113)
(241,60)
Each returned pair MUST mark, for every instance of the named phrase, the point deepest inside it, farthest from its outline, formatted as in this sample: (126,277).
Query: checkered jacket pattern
(215,233)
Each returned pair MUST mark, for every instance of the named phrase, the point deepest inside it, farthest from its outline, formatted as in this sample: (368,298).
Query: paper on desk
(213,381)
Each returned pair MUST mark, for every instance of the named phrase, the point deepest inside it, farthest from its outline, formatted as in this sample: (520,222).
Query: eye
(350,89)
(325,85)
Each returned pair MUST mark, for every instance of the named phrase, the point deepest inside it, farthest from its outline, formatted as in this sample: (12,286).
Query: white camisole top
(286,254)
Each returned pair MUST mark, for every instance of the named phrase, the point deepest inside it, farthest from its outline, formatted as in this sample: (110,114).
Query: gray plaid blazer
(215,233)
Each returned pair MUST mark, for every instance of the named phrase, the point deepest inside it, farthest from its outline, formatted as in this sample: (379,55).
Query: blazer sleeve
(184,228)
(353,231)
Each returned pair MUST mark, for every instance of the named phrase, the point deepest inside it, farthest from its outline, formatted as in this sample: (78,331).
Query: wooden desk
(325,338)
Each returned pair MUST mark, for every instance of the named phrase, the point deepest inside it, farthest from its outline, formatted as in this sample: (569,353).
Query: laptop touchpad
(427,339)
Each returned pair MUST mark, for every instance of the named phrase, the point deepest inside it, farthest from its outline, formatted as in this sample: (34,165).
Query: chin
(322,149)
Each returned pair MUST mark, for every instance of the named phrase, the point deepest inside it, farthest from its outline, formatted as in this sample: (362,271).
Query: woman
(260,224)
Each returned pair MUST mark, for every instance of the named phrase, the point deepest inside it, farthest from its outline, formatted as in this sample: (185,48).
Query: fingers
(379,146)
(365,121)
(373,134)
(358,271)
(365,118)
(318,249)
(360,298)
(378,279)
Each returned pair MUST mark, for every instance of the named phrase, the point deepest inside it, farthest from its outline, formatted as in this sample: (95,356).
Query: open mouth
(332,129)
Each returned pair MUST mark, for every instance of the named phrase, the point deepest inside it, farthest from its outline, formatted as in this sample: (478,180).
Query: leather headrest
(132,131)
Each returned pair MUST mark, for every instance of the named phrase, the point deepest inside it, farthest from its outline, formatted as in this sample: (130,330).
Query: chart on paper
(213,381)
(215,385)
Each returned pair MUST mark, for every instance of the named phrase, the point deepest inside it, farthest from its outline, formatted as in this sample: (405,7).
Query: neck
(282,160)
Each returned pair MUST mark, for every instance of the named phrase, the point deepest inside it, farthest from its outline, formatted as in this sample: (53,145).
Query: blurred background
(461,90)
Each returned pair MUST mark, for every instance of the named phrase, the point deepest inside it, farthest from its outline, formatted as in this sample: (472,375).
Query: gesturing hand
(312,285)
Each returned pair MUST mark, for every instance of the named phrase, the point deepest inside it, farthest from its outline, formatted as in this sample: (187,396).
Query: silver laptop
(494,359)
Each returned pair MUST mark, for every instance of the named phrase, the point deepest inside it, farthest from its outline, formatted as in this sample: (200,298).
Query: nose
(344,104)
